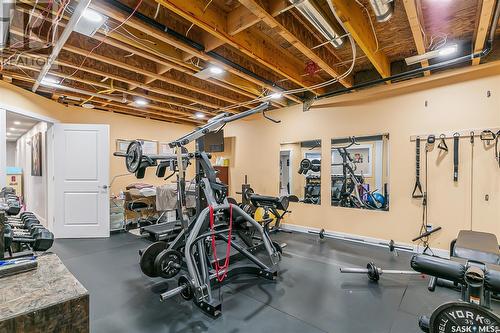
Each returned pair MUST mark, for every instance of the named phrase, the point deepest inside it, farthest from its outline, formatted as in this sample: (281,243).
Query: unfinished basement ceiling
(133,66)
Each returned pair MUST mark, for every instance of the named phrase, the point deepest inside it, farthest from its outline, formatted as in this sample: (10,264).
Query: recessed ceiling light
(17,123)
(276,95)
(88,106)
(141,102)
(92,15)
(49,81)
(216,70)
(8,133)
(200,115)
(447,50)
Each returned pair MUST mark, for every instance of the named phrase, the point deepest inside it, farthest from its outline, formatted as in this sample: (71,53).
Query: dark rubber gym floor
(311,295)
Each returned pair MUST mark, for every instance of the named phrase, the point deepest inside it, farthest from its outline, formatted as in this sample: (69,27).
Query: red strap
(224,268)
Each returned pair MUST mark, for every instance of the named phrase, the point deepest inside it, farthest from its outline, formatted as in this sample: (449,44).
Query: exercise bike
(352,193)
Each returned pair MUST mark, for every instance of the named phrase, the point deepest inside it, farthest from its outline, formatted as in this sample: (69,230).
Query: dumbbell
(373,272)
(27,232)
(41,240)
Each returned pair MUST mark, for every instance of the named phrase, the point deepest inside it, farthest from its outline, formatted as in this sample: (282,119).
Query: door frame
(4,108)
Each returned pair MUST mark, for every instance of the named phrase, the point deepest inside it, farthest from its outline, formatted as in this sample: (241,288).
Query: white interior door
(79,174)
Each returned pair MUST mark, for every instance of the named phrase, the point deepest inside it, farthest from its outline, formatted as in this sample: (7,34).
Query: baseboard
(377,242)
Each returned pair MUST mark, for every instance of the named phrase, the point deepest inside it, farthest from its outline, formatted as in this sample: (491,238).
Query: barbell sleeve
(171,293)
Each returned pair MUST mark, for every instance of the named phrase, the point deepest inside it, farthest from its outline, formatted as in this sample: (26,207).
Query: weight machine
(195,247)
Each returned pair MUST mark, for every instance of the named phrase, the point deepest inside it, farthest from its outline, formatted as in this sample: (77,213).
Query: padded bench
(477,246)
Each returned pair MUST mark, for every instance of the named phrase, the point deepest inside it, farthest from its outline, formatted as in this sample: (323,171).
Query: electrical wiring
(105,37)
(204,10)
(316,86)
(109,91)
(371,22)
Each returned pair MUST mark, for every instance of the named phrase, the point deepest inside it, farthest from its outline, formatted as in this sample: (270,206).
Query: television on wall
(212,142)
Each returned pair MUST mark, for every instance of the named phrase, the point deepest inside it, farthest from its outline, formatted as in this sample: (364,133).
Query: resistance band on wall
(221,271)
(417,190)
(456,143)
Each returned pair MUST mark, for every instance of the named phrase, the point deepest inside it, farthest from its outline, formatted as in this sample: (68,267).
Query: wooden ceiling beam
(240,19)
(132,93)
(250,42)
(133,22)
(150,76)
(481,33)
(359,27)
(154,53)
(414,21)
(59,93)
(296,36)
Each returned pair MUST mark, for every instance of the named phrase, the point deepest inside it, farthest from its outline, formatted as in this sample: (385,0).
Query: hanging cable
(105,37)
(221,271)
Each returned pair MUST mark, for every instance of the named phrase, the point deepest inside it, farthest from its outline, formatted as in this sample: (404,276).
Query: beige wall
(453,104)
(121,126)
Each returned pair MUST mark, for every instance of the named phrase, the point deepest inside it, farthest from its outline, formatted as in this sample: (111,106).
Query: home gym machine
(477,281)
(195,246)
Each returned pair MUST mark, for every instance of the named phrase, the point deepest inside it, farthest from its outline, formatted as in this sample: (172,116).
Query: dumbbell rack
(24,232)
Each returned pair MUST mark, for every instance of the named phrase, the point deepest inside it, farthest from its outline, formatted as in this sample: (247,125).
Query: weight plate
(134,156)
(148,258)
(247,194)
(168,263)
(463,317)
(188,292)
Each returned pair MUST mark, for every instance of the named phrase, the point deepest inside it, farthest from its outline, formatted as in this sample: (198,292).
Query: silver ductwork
(6,14)
(309,10)
(383,9)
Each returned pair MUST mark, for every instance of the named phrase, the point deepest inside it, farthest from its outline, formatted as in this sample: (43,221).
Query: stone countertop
(51,283)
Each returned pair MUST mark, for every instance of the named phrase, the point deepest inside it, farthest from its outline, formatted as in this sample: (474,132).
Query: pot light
(216,70)
(17,123)
(8,133)
(88,106)
(49,81)
(92,15)
(200,115)
(276,95)
(447,50)
(141,102)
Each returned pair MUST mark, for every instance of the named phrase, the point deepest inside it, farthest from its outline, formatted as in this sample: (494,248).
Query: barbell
(373,272)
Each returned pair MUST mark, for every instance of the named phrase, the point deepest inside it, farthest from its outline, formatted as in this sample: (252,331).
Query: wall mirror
(360,172)
(300,170)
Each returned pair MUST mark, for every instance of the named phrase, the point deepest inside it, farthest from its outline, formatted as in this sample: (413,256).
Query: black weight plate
(168,264)
(188,292)
(134,156)
(463,317)
(148,257)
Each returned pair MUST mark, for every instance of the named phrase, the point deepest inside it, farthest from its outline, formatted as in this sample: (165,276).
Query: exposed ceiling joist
(149,75)
(133,22)
(297,37)
(487,8)
(358,25)
(166,116)
(413,20)
(250,42)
